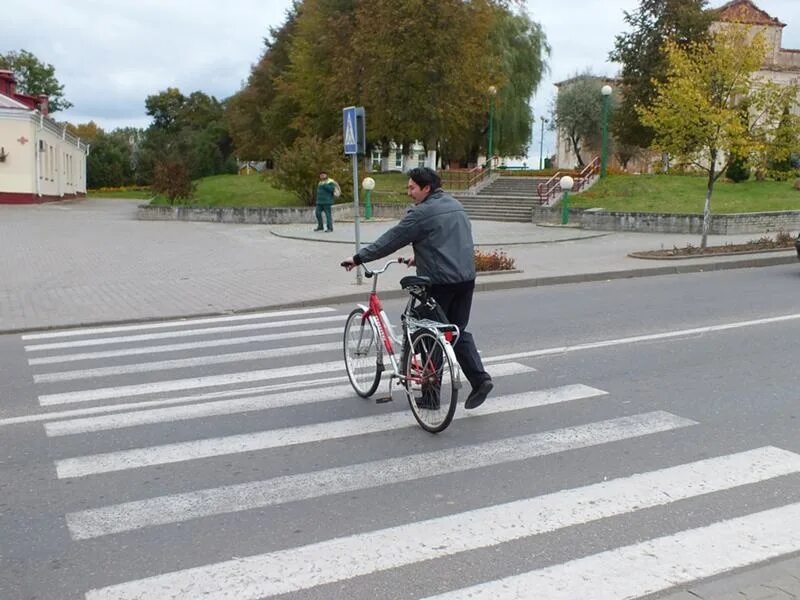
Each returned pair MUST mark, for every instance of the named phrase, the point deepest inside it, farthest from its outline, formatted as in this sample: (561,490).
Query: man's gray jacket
(440,231)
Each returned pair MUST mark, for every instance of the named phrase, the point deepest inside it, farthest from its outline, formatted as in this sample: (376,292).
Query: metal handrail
(545,190)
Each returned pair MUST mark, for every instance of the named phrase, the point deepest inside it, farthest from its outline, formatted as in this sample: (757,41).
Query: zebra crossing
(119,401)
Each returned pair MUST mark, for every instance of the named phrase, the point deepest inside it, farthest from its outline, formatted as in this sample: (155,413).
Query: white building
(39,160)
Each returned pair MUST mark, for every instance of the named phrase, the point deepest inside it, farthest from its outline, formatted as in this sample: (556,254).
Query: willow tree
(697,111)
(522,51)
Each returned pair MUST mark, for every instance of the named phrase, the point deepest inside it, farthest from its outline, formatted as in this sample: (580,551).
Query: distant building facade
(39,160)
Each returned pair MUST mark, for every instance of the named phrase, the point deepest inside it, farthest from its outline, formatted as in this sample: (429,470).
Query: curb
(649,256)
(490,244)
(769,261)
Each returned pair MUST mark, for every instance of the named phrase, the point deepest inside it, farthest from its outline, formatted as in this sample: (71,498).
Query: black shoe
(329,230)
(318,229)
(478,394)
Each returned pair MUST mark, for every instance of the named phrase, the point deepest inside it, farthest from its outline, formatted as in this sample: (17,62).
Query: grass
(236,190)
(684,194)
(681,194)
(255,191)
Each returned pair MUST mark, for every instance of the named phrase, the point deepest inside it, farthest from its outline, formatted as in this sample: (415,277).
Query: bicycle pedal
(383,399)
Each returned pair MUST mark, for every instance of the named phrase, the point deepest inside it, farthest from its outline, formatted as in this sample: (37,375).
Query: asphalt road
(641,429)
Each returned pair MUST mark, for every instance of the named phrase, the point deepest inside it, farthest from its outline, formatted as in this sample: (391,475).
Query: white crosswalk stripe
(152,388)
(182,507)
(290,436)
(268,575)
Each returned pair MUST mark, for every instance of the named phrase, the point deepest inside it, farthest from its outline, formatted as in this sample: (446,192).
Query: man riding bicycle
(438,228)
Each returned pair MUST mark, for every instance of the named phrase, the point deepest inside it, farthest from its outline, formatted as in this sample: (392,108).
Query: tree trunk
(707,208)
(577,150)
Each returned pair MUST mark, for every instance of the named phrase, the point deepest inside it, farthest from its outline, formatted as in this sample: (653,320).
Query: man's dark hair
(423,176)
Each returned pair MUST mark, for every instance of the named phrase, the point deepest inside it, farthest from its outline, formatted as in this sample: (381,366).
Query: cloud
(111,54)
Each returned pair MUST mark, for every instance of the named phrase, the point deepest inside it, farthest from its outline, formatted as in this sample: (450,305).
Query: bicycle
(427,372)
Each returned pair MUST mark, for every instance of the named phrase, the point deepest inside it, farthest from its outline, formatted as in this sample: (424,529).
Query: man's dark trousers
(455,299)
(326,210)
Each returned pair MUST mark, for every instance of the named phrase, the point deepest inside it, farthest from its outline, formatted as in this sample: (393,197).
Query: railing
(549,188)
(462,179)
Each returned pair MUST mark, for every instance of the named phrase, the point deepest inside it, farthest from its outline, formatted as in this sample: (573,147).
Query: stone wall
(721,224)
(264,216)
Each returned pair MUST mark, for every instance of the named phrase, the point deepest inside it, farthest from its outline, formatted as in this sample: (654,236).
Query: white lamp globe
(606,90)
(368,183)
(566,183)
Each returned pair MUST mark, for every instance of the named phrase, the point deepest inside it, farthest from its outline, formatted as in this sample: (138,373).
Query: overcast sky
(111,54)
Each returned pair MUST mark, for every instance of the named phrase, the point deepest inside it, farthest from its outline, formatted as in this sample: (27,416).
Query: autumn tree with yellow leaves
(697,114)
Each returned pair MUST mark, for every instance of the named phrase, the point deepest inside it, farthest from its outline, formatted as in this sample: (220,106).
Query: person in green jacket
(326,192)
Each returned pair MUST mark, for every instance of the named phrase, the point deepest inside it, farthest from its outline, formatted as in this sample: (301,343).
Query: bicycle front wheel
(430,384)
(362,355)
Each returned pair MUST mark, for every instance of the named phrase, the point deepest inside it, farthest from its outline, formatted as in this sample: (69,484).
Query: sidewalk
(91,261)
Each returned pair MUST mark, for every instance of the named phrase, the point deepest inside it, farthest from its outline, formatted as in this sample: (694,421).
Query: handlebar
(369,273)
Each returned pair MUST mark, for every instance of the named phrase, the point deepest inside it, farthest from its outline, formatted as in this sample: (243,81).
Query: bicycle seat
(415,281)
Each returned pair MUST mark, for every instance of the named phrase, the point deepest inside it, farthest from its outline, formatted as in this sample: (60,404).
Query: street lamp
(541,145)
(606,91)
(492,93)
(566,184)
(368,183)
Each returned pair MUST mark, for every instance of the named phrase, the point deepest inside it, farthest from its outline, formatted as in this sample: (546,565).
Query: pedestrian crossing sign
(353,129)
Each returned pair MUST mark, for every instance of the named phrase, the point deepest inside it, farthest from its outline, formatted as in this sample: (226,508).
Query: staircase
(504,199)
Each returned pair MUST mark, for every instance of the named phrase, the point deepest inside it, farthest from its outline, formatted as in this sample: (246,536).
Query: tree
(641,53)
(781,148)
(165,107)
(35,77)
(697,111)
(188,131)
(579,113)
(259,116)
(297,167)
(522,50)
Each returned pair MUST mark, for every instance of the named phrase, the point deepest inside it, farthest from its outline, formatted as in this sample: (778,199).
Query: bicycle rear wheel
(362,354)
(430,384)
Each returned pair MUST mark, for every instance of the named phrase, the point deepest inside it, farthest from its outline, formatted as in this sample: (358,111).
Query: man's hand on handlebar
(349,264)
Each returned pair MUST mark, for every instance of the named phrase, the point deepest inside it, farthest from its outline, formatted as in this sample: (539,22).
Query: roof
(9,102)
(745,12)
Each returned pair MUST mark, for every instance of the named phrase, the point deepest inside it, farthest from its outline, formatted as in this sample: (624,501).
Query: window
(398,159)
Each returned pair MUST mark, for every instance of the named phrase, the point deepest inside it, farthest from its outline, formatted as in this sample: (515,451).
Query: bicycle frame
(388,336)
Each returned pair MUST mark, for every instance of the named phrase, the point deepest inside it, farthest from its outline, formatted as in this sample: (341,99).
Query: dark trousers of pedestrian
(326,208)
(455,299)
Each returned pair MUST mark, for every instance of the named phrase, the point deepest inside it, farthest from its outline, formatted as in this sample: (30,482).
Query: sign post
(353,123)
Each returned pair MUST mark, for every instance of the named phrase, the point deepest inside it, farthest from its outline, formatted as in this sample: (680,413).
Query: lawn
(686,194)
(236,190)
(256,191)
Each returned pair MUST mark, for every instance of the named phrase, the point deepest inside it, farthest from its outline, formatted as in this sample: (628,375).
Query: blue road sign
(350,134)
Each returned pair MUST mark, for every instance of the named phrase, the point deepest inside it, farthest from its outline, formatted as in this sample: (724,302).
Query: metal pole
(541,146)
(565,208)
(355,215)
(604,153)
(491,120)
(368,204)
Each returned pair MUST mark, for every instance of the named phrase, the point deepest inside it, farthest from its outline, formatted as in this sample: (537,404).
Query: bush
(171,179)
(297,167)
(497,260)
(738,170)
